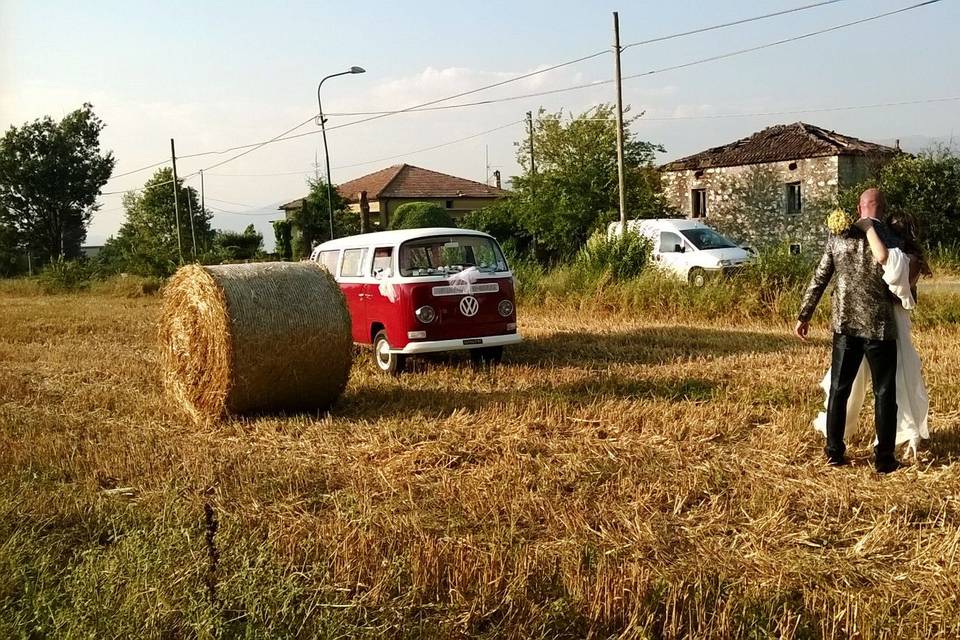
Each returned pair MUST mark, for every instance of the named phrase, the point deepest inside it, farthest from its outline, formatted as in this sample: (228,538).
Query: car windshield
(446,255)
(706,239)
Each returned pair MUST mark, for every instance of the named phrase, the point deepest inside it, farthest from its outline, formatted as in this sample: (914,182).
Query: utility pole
(203,206)
(486,160)
(533,166)
(619,81)
(193,234)
(176,199)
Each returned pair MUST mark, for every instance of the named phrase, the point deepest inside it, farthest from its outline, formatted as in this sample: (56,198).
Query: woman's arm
(877,248)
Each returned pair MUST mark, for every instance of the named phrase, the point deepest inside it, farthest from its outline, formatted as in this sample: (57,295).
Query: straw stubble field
(615,477)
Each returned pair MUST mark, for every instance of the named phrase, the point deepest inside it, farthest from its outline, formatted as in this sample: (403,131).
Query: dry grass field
(615,478)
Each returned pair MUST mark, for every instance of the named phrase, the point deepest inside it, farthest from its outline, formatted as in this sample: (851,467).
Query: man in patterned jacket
(863,325)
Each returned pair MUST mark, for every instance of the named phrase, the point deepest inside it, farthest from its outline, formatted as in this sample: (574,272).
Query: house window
(792,194)
(698,203)
(449,204)
(352,265)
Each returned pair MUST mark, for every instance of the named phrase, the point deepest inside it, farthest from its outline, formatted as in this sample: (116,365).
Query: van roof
(669,223)
(390,238)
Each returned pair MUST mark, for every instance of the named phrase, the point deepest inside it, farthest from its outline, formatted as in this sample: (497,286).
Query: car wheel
(486,356)
(697,277)
(392,363)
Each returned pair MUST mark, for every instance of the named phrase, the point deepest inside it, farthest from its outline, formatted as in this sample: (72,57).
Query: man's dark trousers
(848,353)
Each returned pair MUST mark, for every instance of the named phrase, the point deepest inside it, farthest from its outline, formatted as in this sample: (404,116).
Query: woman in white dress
(901,269)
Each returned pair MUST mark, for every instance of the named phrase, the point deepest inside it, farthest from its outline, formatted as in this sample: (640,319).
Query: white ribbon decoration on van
(387,287)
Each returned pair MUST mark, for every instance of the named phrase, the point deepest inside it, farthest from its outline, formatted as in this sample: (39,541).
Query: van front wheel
(392,363)
(697,277)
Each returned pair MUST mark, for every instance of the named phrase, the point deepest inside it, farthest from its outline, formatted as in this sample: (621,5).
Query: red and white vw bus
(416,291)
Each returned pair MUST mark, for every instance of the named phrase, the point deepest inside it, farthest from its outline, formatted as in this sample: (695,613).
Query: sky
(217,74)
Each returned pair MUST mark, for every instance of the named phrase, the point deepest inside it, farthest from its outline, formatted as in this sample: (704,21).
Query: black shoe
(837,461)
(887,465)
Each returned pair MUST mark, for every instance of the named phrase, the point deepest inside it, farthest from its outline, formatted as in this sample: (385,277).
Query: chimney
(496,177)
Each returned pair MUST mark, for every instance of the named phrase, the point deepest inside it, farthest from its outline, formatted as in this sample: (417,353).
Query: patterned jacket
(862,303)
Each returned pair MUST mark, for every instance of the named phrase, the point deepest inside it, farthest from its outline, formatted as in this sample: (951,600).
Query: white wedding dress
(913,403)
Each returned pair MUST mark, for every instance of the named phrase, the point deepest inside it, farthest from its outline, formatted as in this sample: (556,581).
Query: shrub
(417,215)
(67,275)
(621,256)
(127,286)
(233,245)
(777,269)
(945,261)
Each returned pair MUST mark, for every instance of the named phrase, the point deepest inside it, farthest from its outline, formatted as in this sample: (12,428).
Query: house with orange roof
(378,194)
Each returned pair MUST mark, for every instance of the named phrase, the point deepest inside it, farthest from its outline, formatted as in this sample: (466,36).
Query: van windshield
(706,239)
(445,255)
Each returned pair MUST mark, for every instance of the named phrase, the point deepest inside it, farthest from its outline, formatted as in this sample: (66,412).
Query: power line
(427,105)
(244,213)
(430,105)
(877,105)
(597,83)
(729,24)
(811,110)
(366,162)
(767,45)
(236,204)
(132,171)
(436,146)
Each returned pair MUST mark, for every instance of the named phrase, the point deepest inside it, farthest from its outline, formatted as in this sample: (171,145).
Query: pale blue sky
(217,74)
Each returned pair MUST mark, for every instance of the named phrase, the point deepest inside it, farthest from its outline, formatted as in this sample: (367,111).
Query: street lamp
(323,128)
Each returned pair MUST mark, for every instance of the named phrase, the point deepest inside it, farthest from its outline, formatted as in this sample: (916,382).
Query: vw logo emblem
(469,306)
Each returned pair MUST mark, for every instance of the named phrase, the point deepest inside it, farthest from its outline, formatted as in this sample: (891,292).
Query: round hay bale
(272,336)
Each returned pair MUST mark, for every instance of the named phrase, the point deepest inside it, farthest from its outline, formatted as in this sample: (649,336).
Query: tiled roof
(408,181)
(781,142)
(373,183)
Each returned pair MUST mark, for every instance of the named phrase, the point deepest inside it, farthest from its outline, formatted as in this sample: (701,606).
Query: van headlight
(726,263)
(426,314)
(505,308)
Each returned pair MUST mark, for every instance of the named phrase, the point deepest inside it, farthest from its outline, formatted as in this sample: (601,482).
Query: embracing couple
(876,265)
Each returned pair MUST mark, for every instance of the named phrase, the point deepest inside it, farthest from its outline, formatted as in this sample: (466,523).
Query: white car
(688,248)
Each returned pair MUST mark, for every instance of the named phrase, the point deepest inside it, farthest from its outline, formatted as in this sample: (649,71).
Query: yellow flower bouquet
(839,221)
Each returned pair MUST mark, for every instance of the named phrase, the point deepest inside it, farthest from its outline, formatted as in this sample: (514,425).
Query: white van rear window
(328,260)
(352,266)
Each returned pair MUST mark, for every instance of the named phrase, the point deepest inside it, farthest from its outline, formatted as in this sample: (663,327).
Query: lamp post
(323,129)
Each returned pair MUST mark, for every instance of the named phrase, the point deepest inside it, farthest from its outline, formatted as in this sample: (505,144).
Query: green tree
(283,234)
(147,241)
(233,245)
(50,176)
(8,250)
(311,223)
(575,190)
(924,188)
(417,215)
(927,187)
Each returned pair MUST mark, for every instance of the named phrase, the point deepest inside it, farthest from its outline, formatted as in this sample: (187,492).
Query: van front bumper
(435,346)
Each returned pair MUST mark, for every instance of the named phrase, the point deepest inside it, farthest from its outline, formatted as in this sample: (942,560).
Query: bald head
(872,204)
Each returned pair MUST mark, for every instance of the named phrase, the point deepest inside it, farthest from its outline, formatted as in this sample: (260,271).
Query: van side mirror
(678,248)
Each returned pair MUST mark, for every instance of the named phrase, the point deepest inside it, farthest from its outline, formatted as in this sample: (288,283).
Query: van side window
(383,262)
(669,242)
(352,266)
(328,260)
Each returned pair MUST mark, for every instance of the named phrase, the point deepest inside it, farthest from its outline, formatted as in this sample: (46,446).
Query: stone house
(376,196)
(773,187)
